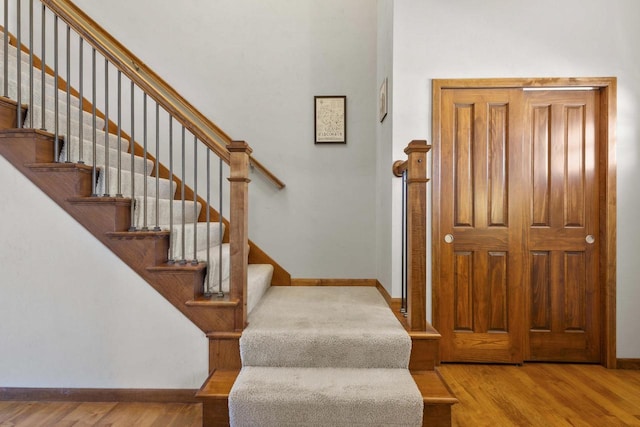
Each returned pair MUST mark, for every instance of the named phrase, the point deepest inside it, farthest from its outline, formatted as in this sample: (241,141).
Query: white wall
(384,146)
(73,315)
(546,38)
(253,68)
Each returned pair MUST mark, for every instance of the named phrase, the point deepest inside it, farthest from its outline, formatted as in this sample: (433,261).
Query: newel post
(239,226)
(417,234)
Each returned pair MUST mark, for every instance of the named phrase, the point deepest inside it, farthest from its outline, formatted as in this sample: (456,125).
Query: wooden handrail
(399,166)
(155,87)
(416,167)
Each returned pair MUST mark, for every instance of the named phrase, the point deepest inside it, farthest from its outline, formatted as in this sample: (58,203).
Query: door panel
(518,279)
(562,292)
(480,299)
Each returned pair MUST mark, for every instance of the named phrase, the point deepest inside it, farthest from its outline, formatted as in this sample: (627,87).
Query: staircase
(334,354)
(309,355)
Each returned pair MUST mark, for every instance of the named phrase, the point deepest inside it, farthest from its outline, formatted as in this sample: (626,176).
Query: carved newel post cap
(417,145)
(239,147)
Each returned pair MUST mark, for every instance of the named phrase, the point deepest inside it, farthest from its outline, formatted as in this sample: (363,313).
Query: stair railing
(141,125)
(413,172)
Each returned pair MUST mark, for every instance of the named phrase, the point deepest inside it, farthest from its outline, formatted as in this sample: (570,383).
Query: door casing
(607,87)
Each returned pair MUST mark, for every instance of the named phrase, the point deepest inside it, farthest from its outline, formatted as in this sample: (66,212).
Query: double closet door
(516,226)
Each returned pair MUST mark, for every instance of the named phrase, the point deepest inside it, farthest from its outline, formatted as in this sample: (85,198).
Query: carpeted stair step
(199,234)
(163,212)
(50,122)
(166,187)
(87,155)
(37,80)
(258,282)
(268,396)
(347,327)
(37,94)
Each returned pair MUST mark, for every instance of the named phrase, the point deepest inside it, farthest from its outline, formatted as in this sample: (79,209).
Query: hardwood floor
(543,395)
(120,414)
(489,395)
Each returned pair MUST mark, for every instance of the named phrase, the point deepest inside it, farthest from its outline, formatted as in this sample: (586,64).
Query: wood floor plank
(543,395)
(88,414)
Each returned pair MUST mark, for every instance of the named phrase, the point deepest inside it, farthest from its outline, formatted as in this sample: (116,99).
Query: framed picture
(382,101)
(330,119)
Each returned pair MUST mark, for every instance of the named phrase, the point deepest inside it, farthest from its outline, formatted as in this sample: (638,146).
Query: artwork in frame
(382,101)
(330,118)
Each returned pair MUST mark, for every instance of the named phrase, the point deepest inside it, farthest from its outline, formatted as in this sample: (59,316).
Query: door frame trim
(607,87)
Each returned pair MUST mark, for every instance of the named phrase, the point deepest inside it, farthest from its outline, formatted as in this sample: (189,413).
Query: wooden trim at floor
(333,282)
(633,364)
(99,395)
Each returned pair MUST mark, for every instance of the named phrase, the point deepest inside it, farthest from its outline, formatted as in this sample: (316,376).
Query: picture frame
(382,101)
(330,119)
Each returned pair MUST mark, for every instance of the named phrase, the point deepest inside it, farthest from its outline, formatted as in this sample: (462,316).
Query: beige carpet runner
(324,356)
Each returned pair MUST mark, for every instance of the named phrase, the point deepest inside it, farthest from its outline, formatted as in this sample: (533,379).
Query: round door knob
(590,239)
(448,238)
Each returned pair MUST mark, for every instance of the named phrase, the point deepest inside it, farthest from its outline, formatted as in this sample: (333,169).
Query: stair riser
(143,252)
(329,351)
(109,217)
(178,287)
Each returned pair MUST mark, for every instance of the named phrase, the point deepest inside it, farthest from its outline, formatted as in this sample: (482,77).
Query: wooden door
(516,226)
(561,281)
(478,296)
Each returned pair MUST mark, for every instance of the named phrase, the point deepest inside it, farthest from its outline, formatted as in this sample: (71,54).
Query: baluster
(106,128)
(81,106)
(194,261)
(119,169)
(207,286)
(133,157)
(172,240)
(68,97)
(31,105)
(146,171)
(42,69)
(183,259)
(6,49)
(220,227)
(403,287)
(19,65)
(56,131)
(157,168)
(94,171)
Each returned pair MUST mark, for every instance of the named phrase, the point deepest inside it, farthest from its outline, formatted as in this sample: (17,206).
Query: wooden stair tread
(99,200)
(429,334)
(433,388)
(57,166)
(214,301)
(219,384)
(127,235)
(177,267)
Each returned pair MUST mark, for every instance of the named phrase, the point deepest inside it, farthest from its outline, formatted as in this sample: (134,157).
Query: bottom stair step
(435,396)
(268,396)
